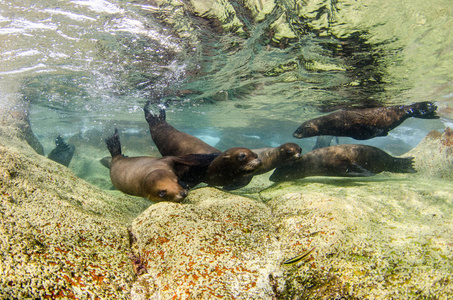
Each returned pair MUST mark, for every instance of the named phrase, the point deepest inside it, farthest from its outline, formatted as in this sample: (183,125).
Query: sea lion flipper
(62,153)
(238,184)
(423,110)
(403,165)
(154,119)
(355,170)
(192,168)
(106,161)
(113,144)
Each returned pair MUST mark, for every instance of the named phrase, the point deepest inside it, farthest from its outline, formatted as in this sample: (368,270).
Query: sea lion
(62,153)
(270,158)
(232,166)
(150,177)
(172,142)
(343,161)
(363,124)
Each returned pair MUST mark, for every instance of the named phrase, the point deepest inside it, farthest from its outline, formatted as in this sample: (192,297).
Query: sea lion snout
(307,129)
(183,193)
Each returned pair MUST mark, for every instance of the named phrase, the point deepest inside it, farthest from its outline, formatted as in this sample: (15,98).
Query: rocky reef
(387,236)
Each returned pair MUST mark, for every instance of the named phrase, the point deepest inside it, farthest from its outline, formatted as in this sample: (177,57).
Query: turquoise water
(232,74)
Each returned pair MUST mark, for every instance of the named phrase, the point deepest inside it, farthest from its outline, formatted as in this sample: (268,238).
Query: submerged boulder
(434,155)
(370,240)
(60,237)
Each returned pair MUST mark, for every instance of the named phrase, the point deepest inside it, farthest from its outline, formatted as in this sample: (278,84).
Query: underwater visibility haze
(246,74)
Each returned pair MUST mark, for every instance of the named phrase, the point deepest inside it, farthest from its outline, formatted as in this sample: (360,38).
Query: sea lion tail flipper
(403,165)
(62,153)
(423,110)
(113,144)
(153,119)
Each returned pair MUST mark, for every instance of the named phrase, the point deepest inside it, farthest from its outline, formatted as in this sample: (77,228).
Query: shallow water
(237,73)
(231,75)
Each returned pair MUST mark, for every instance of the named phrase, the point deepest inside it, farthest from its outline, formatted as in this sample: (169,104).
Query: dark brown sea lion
(343,161)
(149,177)
(232,166)
(362,124)
(172,142)
(272,158)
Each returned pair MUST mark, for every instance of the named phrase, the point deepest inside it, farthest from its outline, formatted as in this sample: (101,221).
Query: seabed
(381,237)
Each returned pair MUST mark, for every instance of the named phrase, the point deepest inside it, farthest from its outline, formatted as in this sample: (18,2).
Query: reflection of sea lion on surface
(149,177)
(62,153)
(343,161)
(362,124)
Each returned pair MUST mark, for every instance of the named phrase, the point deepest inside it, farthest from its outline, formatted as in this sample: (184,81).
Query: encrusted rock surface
(60,237)
(217,246)
(371,242)
(434,155)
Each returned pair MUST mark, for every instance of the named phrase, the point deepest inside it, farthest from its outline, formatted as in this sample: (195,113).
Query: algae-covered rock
(216,246)
(384,237)
(373,238)
(434,155)
(60,237)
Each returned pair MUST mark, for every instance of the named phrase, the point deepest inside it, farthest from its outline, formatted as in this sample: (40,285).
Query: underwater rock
(434,155)
(216,246)
(371,242)
(16,124)
(59,236)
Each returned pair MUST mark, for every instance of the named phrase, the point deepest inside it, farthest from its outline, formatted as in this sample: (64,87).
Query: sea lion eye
(162,193)
(242,156)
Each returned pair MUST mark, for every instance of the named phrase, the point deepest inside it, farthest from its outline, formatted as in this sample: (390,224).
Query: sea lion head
(243,160)
(306,129)
(163,185)
(290,151)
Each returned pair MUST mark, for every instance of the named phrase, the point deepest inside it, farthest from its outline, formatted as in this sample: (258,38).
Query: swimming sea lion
(62,153)
(343,161)
(172,142)
(232,166)
(149,177)
(271,158)
(362,124)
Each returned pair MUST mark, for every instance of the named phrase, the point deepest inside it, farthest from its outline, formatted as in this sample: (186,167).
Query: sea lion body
(172,142)
(149,177)
(362,124)
(343,161)
(232,166)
